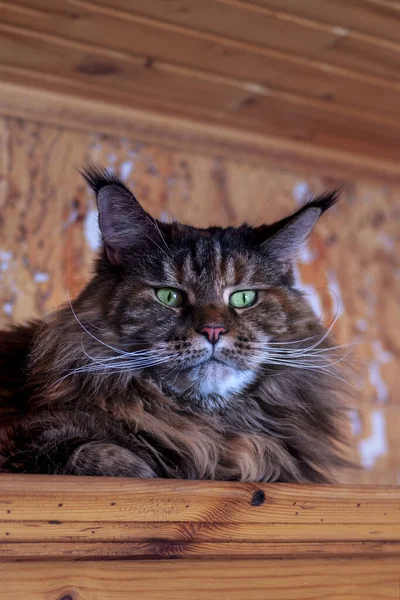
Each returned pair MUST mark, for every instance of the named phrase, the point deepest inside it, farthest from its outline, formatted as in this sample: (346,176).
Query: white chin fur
(222,380)
(211,384)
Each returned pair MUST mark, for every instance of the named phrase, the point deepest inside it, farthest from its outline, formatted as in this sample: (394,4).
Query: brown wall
(48,238)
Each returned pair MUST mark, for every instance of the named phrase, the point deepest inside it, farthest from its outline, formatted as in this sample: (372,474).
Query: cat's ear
(288,236)
(123,222)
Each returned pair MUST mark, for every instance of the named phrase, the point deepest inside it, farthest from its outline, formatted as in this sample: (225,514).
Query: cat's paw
(111,460)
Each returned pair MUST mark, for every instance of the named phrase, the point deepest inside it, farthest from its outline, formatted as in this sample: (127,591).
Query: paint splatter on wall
(350,266)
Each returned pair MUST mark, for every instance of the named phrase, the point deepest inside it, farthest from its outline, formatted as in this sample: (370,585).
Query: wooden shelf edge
(194,136)
(97,518)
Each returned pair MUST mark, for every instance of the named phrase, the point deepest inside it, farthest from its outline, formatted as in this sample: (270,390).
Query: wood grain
(334,535)
(236,104)
(27,497)
(72,550)
(259,68)
(41,103)
(338,579)
(61,517)
(132,38)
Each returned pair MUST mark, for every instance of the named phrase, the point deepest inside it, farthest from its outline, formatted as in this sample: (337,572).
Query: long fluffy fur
(63,414)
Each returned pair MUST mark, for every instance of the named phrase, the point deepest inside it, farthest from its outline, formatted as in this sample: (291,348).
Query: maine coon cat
(189,354)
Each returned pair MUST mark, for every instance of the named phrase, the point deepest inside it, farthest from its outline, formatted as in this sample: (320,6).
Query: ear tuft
(324,201)
(98,177)
(290,233)
(123,222)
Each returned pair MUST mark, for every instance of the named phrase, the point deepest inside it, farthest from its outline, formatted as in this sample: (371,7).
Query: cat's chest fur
(193,445)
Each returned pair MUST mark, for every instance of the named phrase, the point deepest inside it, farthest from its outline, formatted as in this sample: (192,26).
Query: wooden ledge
(59,517)
(80,538)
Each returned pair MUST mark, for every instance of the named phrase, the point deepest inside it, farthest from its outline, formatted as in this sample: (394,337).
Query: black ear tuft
(324,201)
(123,222)
(287,236)
(98,177)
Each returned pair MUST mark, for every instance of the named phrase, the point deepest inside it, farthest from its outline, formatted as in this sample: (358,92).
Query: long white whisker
(119,367)
(307,368)
(302,351)
(91,334)
(300,362)
(160,234)
(140,354)
(316,344)
(159,247)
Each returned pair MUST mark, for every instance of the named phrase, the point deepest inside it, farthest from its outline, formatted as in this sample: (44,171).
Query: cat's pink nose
(212,332)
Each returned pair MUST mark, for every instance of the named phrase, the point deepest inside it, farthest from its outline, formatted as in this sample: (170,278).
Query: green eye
(243,299)
(170,297)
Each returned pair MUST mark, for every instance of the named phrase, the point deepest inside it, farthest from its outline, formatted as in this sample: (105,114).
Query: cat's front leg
(62,443)
(111,460)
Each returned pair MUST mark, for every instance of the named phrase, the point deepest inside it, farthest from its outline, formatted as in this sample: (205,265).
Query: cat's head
(203,308)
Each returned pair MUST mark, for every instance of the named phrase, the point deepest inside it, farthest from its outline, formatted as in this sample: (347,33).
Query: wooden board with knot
(69,538)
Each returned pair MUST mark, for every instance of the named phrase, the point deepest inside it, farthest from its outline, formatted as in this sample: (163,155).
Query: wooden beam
(66,537)
(77,108)
(66,498)
(236,579)
(144,39)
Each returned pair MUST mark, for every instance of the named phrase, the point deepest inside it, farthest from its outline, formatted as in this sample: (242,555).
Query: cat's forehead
(210,262)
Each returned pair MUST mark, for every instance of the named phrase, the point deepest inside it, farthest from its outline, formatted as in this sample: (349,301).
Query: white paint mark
(307,255)
(165,217)
(340,31)
(362,324)
(5,258)
(377,381)
(382,355)
(301,192)
(370,449)
(310,293)
(73,216)
(256,88)
(355,422)
(91,229)
(386,240)
(8,308)
(126,169)
(112,157)
(41,277)
(334,286)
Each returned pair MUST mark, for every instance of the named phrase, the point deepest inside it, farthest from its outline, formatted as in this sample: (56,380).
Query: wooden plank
(85,112)
(336,579)
(242,20)
(27,497)
(222,20)
(56,551)
(130,77)
(372,17)
(186,533)
(283,115)
(274,70)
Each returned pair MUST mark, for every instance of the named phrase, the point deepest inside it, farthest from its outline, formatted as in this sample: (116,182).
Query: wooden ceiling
(324,73)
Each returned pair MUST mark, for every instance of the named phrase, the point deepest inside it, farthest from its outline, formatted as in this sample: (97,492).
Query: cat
(190,354)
